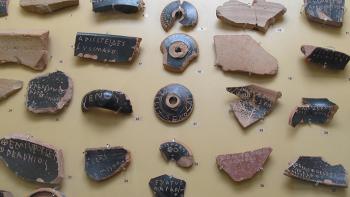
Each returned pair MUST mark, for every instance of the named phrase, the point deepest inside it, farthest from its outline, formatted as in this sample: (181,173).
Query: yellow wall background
(216,132)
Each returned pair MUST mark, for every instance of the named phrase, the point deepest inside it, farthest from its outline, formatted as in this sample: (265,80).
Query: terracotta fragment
(243,166)
(49,93)
(103,163)
(184,11)
(4,7)
(315,169)
(173,103)
(106,99)
(32,160)
(178,52)
(46,6)
(328,12)
(255,103)
(241,53)
(8,87)
(26,47)
(313,110)
(46,192)
(5,194)
(327,58)
(175,151)
(125,6)
(167,186)
(107,48)
(259,16)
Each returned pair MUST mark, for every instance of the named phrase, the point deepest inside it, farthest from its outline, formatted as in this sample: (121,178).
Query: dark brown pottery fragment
(167,186)
(255,103)
(103,163)
(47,6)
(8,87)
(175,151)
(31,159)
(328,12)
(125,6)
(46,192)
(314,169)
(185,12)
(243,166)
(178,52)
(49,93)
(106,99)
(173,103)
(4,7)
(313,110)
(5,194)
(106,47)
(327,58)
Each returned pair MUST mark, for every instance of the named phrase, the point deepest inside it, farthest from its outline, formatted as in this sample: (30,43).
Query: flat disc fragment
(173,103)
(314,169)
(125,6)
(167,186)
(185,12)
(329,12)
(49,93)
(103,163)
(175,151)
(313,110)
(178,51)
(4,7)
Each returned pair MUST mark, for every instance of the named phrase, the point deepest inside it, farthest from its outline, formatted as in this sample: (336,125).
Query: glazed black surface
(101,164)
(29,160)
(167,186)
(106,99)
(329,58)
(174,150)
(3,9)
(314,169)
(190,15)
(105,47)
(334,9)
(179,113)
(47,91)
(178,63)
(125,6)
(317,111)
(167,18)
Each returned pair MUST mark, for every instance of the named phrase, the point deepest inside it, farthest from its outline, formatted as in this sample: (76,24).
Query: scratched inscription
(167,186)
(174,150)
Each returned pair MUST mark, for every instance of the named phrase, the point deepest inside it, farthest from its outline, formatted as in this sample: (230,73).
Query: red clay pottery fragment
(259,16)
(185,12)
(313,110)
(173,103)
(106,99)
(243,166)
(8,87)
(46,192)
(49,93)
(107,48)
(32,160)
(5,194)
(316,170)
(255,103)
(178,52)
(328,12)
(327,58)
(125,6)
(26,47)
(46,6)
(103,163)
(241,53)
(175,151)
(167,186)
(4,4)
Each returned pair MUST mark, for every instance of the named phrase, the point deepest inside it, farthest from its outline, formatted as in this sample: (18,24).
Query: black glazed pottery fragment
(124,6)
(4,7)
(167,186)
(328,12)
(46,192)
(175,151)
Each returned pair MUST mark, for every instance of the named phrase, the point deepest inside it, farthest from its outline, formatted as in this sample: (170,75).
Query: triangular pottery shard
(316,170)
(32,160)
(327,58)
(26,47)
(329,12)
(260,15)
(254,104)
(46,6)
(103,163)
(313,110)
(8,87)
(243,166)
(241,53)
